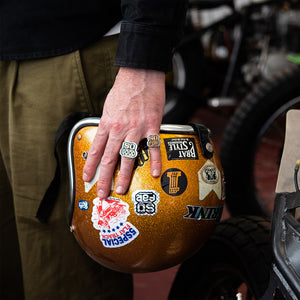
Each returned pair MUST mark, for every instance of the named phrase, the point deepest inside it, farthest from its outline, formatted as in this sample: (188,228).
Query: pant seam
(84,89)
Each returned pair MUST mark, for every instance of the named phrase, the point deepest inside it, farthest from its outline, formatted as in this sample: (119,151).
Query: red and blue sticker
(109,216)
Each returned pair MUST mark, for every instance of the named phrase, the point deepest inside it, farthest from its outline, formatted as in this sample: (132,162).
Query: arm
(134,106)
(136,116)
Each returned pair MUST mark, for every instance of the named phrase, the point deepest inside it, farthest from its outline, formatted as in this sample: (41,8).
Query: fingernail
(119,190)
(100,194)
(85,177)
(155,173)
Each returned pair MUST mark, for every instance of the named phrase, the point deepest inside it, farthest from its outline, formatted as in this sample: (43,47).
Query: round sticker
(209,174)
(173,182)
(83,205)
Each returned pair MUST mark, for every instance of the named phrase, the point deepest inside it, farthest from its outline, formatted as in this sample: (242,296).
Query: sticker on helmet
(143,154)
(203,213)
(110,217)
(83,205)
(173,182)
(181,148)
(209,180)
(88,185)
(145,202)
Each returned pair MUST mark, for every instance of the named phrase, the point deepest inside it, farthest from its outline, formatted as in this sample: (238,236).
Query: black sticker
(143,154)
(181,148)
(173,182)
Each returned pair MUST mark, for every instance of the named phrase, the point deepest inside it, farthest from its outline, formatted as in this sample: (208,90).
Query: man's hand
(132,111)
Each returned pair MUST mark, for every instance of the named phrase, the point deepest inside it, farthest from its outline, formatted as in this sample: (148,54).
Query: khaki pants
(35,96)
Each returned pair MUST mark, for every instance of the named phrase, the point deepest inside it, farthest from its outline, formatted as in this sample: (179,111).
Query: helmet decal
(143,154)
(181,148)
(173,182)
(88,185)
(203,213)
(110,217)
(145,202)
(209,180)
(83,205)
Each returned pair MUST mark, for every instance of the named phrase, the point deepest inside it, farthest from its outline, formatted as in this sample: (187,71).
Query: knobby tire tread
(240,242)
(239,140)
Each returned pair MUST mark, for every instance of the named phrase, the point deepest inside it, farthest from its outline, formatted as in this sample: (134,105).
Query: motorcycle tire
(236,259)
(253,142)
(184,84)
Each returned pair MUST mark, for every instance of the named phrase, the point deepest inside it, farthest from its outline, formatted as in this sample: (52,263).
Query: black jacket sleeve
(149,31)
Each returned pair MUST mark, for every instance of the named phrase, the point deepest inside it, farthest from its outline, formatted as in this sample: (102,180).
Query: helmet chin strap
(204,138)
(48,201)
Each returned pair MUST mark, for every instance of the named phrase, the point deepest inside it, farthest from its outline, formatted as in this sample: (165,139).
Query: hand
(133,110)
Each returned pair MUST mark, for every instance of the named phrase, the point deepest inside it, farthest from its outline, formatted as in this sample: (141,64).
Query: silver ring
(129,149)
(153,141)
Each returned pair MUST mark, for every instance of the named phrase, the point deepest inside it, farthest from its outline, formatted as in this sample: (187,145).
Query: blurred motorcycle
(223,53)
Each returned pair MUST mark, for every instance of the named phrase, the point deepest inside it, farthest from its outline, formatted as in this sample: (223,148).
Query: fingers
(108,164)
(132,109)
(153,143)
(107,168)
(109,158)
(124,175)
(95,153)
(127,165)
(128,154)
(155,161)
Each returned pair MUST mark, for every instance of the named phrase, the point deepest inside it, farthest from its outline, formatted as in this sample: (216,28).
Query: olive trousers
(43,261)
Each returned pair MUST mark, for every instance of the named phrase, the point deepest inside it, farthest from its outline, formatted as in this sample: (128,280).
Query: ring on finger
(129,150)
(153,141)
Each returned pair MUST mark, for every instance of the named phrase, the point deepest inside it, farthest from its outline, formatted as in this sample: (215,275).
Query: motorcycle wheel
(236,259)
(183,84)
(253,142)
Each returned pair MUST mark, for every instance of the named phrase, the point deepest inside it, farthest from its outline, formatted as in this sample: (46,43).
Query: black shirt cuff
(146,47)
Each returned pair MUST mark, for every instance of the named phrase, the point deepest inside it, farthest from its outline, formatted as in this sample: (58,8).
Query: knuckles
(103,182)
(116,126)
(123,178)
(107,162)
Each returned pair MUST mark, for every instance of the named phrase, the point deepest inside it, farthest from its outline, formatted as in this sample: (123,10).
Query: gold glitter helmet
(159,222)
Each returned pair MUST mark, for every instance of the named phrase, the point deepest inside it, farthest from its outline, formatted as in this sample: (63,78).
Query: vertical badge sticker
(209,180)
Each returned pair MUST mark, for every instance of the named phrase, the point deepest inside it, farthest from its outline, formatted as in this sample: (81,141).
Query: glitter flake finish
(159,222)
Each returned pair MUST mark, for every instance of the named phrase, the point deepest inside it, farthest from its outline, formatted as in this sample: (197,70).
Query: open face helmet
(159,222)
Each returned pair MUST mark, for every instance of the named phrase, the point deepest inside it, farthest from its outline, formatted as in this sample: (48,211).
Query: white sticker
(89,185)
(145,202)
(209,180)
(110,217)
